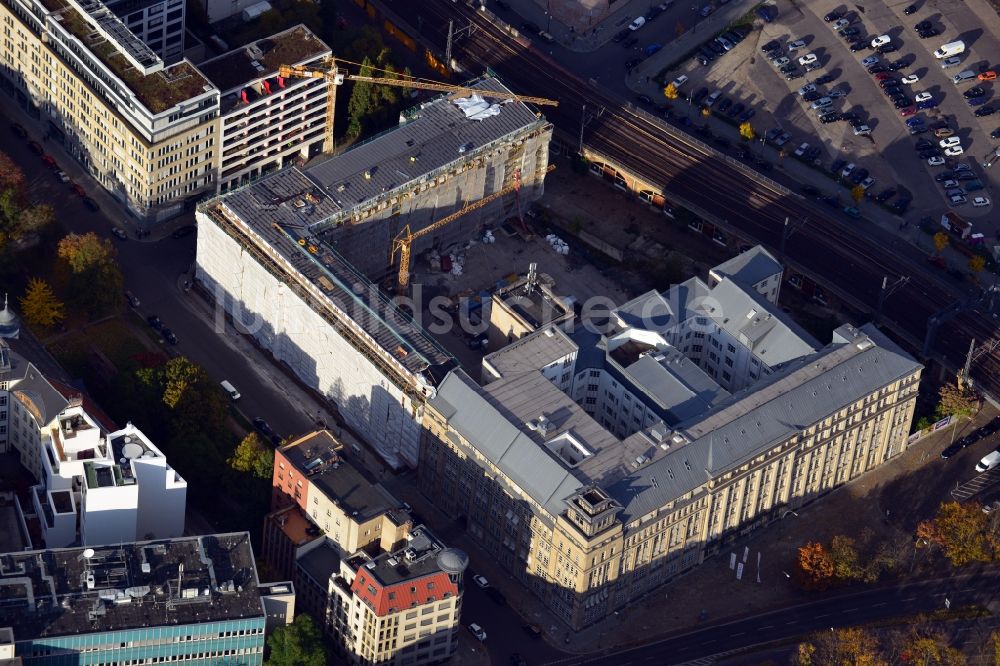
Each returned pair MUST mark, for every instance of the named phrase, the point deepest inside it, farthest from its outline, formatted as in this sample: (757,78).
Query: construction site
(296,257)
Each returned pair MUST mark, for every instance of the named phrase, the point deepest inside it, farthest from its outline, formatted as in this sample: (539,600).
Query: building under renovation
(287,255)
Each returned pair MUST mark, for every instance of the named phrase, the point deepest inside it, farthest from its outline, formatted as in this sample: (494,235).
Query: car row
(157,325)
(972,438)
(721,44)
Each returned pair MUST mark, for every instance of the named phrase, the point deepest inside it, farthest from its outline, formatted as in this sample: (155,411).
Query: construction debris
(558,244)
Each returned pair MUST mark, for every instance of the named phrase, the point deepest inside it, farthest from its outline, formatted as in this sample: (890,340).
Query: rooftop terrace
(60,592)
(263,57)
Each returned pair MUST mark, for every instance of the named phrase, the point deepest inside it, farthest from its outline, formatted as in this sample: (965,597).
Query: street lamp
(548,15)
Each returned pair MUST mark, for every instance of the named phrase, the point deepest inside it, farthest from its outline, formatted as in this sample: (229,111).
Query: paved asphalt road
(847,610)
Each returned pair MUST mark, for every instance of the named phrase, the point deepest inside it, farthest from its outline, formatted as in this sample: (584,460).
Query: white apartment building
(268,122)
(94,487)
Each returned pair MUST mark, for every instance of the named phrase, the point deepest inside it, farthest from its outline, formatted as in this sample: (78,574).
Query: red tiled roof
(409,593)
(89,405)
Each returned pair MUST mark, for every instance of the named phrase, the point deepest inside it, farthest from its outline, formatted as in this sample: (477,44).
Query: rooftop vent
(410,554)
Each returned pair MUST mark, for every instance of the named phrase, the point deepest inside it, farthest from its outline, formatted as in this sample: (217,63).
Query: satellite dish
(88,553)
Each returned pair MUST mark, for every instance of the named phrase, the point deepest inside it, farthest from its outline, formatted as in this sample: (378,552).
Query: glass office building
(192,600)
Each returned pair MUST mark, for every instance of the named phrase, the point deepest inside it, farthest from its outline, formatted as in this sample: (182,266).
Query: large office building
(96,484)
(285,256)
(194,600)
(596,466)
(158,23)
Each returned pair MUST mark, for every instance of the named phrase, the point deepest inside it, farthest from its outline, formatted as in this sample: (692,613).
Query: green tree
(844,556)
(371,106)
(941,241)
(954,401)
(39,304)
(180,380)
(95,279)
(961,532)
(746,131)
(297,644)
(251,455)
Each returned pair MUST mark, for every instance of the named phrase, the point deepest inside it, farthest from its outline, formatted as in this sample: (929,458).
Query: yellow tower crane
(403,243)
(335,76)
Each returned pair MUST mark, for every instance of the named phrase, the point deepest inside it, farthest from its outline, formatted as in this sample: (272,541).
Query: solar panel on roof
(124,38)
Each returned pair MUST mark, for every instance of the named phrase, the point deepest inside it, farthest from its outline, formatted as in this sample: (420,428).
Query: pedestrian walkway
(976,485)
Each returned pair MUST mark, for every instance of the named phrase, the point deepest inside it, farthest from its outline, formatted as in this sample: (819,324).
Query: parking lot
(872,115)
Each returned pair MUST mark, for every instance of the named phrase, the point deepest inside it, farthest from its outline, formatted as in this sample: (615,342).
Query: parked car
(984,111)
(910,9)
(795,45)
(119,233)
(168,335)
(265,429)
(989,461)
(481,581)
(951,62)
(851,211)
(910,79)
(477,631)
(132,299)
(91,205)
(980,202)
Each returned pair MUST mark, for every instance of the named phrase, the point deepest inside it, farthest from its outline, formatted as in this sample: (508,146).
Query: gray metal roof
(432,136)
(653,311)
(761,326)
(531,352)
(762,417)
(750,267)
(675,382)
(478,420)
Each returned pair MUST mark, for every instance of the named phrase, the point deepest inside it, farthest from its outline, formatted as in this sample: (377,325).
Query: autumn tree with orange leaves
(815,567)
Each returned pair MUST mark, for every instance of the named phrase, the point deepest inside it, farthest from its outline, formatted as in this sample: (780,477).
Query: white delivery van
(989,461)
(950,49)
(230,389)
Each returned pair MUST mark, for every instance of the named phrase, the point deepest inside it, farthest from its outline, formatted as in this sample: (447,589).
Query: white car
(481,581)
(923,96)
(862,130)
(807,88)
(679,81)
(836,93)
(950,183)
(801,150)
(910,79)
(989,461)
(808,59)
(937,160)
(881,40)
(725,43)
(780,62)
(980,202)
(869,61)
(637,23)
(949,142)
(954,151)
(840,24)
(957,200)
(795,45)
(848,170)
(868,182)
(478,632)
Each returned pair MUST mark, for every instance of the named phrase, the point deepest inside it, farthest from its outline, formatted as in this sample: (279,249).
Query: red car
(79,191)
(50,161)
(882,76)
(988,75)
(908,111)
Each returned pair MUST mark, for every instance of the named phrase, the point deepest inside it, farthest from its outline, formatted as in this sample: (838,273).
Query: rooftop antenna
(532,280)
(180,578)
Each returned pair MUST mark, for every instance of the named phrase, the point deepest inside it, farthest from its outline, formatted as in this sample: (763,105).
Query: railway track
(850,260)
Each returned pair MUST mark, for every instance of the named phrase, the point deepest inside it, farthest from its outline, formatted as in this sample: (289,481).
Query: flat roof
(316,457)
(157,91)
(417,558)
(293,46)
(45,593)
(321,563)
(750,267)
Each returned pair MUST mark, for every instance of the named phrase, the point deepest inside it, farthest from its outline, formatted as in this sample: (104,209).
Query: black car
(877,69)
(794,74)
(949,451)
(859,175)
(885,194)
(837,166)
(262,426)
(830,200)
(826,78)
(929,153)
(653,13)
(886,48)
(849,32)
(809,190)
(923,25)
(901,204)
(985,111)
(621,36)
(703,61)
(910,9)
(747,115)
(18,129)
(737,109)
(644,99)
(812,96)
(496,596)
(700,95)
(995,134)
(919,129)
(902,63)
(155,322)
(168,335)
(516,659)
(965,175)
(91,204)
(978,91)
(924,144)
(827,118)
(724,105)
(860,45)
(629,64)
(717,47)
(849,116)
(944,175)
(630,42)
(902,102)
(707,54)
(788,68)
(532,28)
(186,230)
(833,16)
(772,45)
(927,34)
(812,153)
(722,142)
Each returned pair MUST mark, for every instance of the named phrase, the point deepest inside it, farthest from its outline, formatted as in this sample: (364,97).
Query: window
(731,348)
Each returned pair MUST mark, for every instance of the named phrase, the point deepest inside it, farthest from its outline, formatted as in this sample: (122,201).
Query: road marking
(770,626)
(881,603)
(848,610)
(823,615)
(742,633)
(910,599)
(792,622)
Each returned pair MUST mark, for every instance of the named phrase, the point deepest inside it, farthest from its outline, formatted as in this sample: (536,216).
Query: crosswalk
(976,485)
